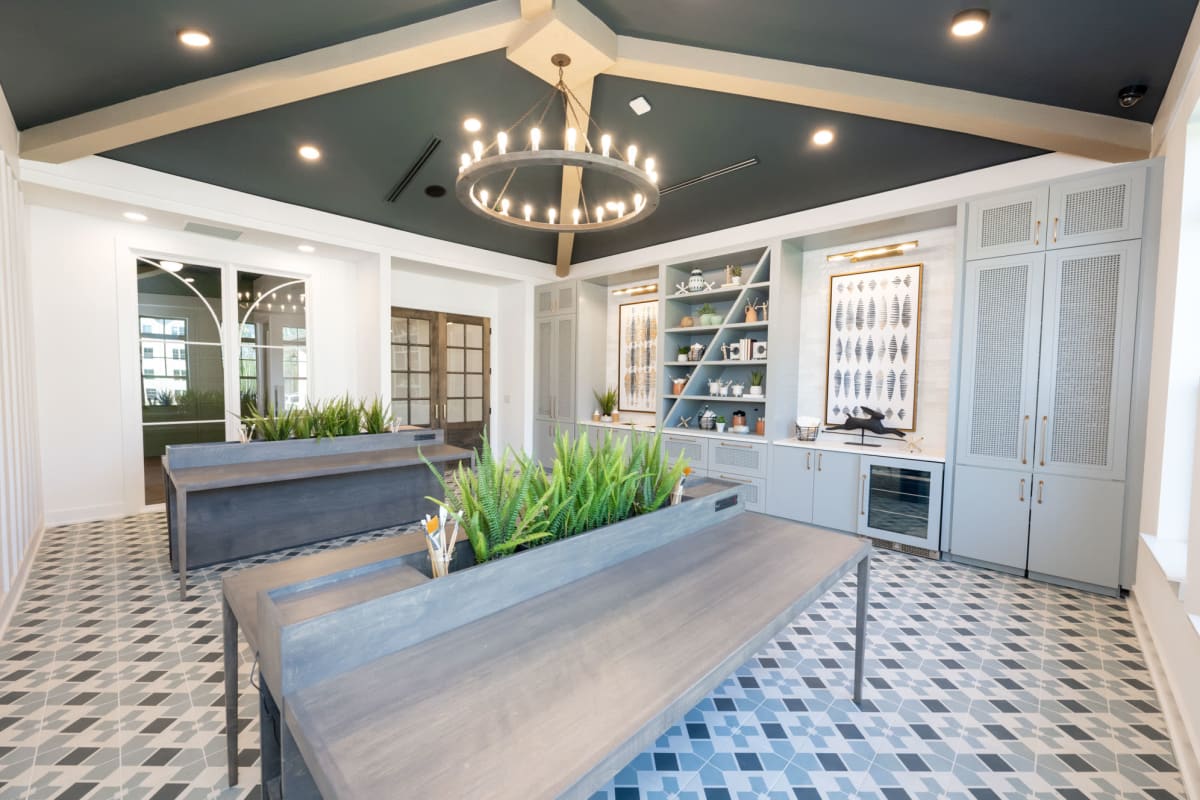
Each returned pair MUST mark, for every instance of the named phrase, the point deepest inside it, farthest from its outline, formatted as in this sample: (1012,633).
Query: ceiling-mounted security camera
(1131,95)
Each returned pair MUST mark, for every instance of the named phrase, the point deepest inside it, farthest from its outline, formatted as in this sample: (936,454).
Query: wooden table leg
(860,626)
(181,541)
(231,691)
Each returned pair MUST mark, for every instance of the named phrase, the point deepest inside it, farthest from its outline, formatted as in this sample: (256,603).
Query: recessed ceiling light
(309,152)
(822,137)
(472,125)
(306,248)
(170,266)
(640,105)
(194,38)
(134,216)
(969,23)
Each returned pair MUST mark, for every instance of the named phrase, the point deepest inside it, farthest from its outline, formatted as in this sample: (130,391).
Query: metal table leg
(181,541)
(231,691)
(860,626)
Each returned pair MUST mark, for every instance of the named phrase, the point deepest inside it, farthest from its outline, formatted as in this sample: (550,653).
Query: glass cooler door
(901,501)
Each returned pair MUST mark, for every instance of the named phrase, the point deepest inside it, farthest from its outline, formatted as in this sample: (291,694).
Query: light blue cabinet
(1075,530)
(836,490)
(790,485)
(990,523)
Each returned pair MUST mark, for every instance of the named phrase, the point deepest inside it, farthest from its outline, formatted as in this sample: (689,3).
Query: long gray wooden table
(383,565)
(351,506)
(550,696)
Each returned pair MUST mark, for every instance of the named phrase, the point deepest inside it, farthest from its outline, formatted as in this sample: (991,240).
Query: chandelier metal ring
(638,180)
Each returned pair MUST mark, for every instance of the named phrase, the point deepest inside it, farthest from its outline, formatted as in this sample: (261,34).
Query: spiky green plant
(658,476)
(376,416)
(607,400)
(499,509)
(274,426)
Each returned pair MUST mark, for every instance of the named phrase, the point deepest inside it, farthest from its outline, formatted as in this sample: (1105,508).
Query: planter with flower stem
(682,354)
(756,383)
(720,424)
(607,400)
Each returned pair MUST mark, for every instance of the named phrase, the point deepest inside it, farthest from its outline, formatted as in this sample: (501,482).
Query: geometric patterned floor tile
(980,686)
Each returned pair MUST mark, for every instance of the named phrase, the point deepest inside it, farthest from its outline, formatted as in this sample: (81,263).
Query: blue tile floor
(980,686)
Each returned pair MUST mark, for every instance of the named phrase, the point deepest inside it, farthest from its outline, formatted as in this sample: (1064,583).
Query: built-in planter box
(246,499)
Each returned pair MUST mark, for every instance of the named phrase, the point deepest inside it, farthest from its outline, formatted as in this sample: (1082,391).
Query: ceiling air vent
(212,230)
(414,169)
(708,176)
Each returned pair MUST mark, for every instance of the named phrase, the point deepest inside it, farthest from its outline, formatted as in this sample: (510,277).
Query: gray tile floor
(981,686)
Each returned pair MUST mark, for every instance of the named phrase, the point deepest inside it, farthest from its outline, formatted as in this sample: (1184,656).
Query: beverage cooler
(900,500)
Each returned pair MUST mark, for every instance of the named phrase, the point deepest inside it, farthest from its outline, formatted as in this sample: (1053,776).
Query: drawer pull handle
(862,496)
(820,458)
(1021,496)
(808,460)
(1025,440)
(1054,238)
(1037,233)
(739,446)
(1041,485)
(734,480)
(1044,421)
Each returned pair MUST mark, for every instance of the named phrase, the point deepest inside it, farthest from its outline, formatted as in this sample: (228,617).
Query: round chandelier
(486,173)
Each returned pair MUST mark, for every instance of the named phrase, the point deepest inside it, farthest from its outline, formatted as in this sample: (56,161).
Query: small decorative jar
(708,419)
(696,281)
(687,322)
(596,415)
(739,419)
(760,426)
(738,389)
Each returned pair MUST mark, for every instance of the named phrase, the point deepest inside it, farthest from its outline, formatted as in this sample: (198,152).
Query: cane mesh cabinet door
(1105,208)
(740,458)
(543,368)
(998,380)
(562,377)
(1075,530)
(1007,224)
(790,483)
(990,522)
(1088,330)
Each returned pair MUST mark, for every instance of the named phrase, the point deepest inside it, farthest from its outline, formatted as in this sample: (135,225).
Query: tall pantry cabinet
(1049,326)
(555,339)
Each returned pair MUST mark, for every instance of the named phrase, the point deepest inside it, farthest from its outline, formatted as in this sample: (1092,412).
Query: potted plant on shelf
(720,424)
(709,315)
(682,353)
(735,275)
(756,383)
(608,404)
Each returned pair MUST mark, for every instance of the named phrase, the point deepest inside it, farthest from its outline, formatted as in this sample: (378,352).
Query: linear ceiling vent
(708,176)
(212,230)
(414,169)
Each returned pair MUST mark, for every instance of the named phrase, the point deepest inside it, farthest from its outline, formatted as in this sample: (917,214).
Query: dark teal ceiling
(1070,53)
(63,57)
(371,134)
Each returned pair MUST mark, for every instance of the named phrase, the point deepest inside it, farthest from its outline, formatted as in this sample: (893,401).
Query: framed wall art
(874,344)
(637,348)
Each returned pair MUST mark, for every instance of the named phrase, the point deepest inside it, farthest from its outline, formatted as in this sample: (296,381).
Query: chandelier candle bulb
(477,147)
(504,206)
(483,197)
(599,213)
(575,216)
(632,154)
(528,212)
(535,138)
(502,142)
(620,209)
(605,144)
(572,135)
(650,165)
(551,214)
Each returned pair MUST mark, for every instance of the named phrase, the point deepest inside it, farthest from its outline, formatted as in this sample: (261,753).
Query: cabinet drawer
(748,459)
(693,448)
(756,488)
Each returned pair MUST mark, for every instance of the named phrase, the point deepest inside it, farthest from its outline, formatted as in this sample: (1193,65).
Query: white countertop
(895,449)
(640,427)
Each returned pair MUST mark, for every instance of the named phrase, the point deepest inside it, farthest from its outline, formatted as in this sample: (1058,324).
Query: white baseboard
(9,606)
(70,516)
(1185,750)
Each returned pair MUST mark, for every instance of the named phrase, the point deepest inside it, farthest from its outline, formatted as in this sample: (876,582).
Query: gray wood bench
(229,501)
(549,670)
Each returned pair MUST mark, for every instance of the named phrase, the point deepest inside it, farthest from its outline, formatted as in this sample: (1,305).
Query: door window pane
(474,411)
(474,361)
(418,358)
(400,412)
(399,386)
(454,334)
(418,384)
(454,385)
(454,410)
(474,336)
(399,358)
(419,412)
(454,360)
(399,330)
(418,331)
(474,386)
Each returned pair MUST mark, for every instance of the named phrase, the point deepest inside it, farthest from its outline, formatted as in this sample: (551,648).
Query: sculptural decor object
(873,422)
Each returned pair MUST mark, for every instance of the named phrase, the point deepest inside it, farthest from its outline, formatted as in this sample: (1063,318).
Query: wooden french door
(441,373)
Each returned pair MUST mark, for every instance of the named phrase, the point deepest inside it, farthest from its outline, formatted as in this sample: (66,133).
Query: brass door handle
(1041,485)
(862,496)
(1021,496)
(1054,237)
(820,457)
(1037,233)
(1043,460)
(1025,440)
(808,460)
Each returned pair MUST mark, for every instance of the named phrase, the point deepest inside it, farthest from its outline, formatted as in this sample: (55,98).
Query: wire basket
(807,433)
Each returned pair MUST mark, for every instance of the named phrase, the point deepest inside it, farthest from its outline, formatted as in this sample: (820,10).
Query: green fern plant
(376,417)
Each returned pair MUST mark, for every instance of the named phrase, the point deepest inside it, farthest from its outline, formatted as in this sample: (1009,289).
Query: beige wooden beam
(535,8)
(572,185)
(1033,124)
(425,44)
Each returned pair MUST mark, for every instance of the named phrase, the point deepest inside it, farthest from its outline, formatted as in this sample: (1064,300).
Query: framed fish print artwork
(874,343)
(637,348)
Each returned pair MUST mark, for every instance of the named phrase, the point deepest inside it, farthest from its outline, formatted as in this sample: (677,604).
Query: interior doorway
(441,373)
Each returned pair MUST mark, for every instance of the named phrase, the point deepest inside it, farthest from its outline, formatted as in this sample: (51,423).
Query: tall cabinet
(1051,294)
(556,330)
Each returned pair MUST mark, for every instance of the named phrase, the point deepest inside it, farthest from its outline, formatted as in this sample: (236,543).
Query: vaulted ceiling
(81,78)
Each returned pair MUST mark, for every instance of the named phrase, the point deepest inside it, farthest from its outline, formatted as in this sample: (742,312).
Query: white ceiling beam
(535,8)
(1032,124)
(384,55)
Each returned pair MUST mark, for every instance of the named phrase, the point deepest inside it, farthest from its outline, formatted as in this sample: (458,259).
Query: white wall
(415,285)
(21,510)
(85,333)
(937,253)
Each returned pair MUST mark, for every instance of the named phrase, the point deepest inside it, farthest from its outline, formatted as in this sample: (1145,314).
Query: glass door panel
(273,342)
(413,385)
(902,501)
